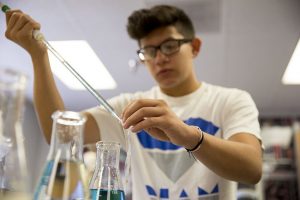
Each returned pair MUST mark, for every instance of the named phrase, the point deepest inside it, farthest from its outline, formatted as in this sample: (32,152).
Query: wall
(35,144)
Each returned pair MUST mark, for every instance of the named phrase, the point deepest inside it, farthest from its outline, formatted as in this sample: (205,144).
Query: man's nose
(159,57)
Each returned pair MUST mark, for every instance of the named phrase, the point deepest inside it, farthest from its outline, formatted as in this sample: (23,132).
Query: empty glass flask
(106,181)
(14,178)
(64,176)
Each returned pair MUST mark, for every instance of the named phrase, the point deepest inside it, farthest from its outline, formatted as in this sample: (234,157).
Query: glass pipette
(40,37)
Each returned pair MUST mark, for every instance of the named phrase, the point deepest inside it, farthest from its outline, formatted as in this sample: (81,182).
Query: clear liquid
(100,194)
(9,195)
(64,180)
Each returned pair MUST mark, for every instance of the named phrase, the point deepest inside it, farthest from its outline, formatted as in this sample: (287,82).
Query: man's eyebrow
(167,39)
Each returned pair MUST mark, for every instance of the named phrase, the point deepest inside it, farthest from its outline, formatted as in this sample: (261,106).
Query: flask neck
(106,176)
(66,139)
(108,155)
(71,150)
(12,97)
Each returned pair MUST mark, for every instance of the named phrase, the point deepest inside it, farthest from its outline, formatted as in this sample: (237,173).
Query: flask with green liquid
(106,181)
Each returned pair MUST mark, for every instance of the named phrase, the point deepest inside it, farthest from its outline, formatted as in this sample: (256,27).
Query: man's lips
(164,72)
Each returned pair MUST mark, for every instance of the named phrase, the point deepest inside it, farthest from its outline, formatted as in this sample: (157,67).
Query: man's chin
(168,85)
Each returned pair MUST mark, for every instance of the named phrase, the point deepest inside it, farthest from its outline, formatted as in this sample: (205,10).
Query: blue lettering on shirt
(183,194)
(164,192)
(150,190)
(147,141)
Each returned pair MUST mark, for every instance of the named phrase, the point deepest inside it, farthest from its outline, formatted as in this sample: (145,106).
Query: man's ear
(196,45)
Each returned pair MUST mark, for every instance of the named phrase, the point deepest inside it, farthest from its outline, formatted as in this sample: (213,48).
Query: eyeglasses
(167,48)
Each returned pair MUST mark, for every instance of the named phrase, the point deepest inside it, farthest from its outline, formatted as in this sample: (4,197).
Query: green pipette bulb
(5,8)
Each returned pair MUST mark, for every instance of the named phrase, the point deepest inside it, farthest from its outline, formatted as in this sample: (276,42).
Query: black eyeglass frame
(180,42)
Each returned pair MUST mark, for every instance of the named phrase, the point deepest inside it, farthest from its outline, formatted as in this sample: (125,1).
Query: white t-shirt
(162,170)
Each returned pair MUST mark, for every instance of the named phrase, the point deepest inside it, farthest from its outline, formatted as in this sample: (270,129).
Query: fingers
(142,114)
(155,117)
(146,124)
(136,105)
(158,134)
(10,13)
(18,22)
(30,26)
(19,25)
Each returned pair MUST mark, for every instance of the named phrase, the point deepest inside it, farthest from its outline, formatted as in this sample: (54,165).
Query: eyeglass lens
(168,47)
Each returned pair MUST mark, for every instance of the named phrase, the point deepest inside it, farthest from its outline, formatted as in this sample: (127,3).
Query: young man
(216,125)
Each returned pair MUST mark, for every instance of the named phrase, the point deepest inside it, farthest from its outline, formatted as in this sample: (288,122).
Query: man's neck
(181,90)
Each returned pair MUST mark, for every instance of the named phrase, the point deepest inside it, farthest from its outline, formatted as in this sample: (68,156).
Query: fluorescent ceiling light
(84,60)
(292,73)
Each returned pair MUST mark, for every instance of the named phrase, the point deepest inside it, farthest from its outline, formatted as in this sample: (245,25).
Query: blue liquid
(44,180)
(102,194)
(59,172)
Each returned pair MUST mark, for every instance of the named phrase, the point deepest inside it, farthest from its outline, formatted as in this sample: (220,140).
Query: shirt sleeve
(110,128)
(240,115)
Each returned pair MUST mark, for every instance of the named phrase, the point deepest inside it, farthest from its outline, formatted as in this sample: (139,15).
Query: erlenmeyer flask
(106,182)
(64,176)
(14,177)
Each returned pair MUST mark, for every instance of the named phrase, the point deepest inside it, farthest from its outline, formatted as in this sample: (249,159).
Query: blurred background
(246,44)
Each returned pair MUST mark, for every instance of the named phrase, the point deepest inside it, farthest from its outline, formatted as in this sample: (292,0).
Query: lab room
(150,100)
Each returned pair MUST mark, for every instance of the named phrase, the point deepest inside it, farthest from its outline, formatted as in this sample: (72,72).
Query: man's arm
(237,159)
(47,98)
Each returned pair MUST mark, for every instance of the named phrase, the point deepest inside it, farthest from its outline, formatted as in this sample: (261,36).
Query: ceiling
(246,44)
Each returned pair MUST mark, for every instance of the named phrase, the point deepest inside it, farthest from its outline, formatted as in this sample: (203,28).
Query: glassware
(106,181)
(13,167)
(4,150)
(64,176)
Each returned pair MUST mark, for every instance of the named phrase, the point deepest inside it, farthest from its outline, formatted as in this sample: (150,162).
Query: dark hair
(142,22)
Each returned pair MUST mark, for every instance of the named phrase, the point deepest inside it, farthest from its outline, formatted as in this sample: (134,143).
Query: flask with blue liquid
(106,181)
(64,176)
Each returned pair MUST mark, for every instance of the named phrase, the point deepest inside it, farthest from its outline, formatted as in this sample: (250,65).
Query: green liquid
(99,194)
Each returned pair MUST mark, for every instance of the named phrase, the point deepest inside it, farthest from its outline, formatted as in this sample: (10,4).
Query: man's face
(174,70)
